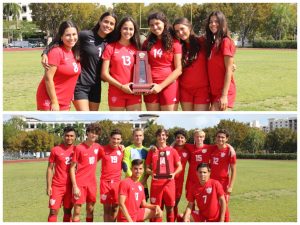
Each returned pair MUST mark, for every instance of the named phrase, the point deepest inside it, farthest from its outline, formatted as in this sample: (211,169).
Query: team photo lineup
(71,177)
(195,71)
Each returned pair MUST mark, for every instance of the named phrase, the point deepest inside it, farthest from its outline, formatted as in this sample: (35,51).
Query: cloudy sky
(186,120)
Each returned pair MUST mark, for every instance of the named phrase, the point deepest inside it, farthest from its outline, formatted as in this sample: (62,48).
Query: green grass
(266,80)
(265,191)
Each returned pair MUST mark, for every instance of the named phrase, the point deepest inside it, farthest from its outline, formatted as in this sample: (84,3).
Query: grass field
(266,80)
(265,191)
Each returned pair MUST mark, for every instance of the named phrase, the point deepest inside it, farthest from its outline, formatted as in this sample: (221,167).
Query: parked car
(20,44)
(28,155)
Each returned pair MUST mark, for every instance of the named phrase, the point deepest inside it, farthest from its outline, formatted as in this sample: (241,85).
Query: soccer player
(133,206)
(118,62)
(59,187)
(223,165)
(209,196)
(56,89)
(83,173)
(136,151)
(163,190)
(111,169)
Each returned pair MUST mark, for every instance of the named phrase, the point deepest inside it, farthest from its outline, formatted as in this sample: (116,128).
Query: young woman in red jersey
(117,69)
(55,91)
(164,54)
(193,83)
(220,50)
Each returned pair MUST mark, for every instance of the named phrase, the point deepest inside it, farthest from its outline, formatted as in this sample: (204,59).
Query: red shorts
(189,184)
(215,96)
(117,98)
(199,218)
(109,192)
(168,96)
(165,192)
(45,105)
(137,217)
(61,195)
(195,96)
(88,194)
(178,188)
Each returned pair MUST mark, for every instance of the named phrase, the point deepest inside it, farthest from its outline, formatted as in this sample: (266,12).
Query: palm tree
(11,9)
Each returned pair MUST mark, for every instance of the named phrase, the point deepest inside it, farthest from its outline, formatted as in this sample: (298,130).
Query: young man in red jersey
(209,196)
(59,187)
(163,190)
(223,165)
(83,173)
(111,156)
(132,202)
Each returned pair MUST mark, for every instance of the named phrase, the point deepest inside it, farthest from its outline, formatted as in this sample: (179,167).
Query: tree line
(243,138)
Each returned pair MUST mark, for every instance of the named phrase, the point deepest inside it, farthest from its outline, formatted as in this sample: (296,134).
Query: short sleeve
(108,52)
(190,195)
(101,152)
(52,156)
(55,56)
(123,188)
(149,158)
(232,157)
(219,189)
(176,156)
(177,48)
(228,47)
(76,154)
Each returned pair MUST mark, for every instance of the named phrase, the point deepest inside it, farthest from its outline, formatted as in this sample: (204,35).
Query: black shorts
(90,92)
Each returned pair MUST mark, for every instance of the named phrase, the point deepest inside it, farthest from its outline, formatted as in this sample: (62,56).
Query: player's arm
(232,177)
(49,176)
(178,169)
(149,170)
(49,75)
(156,208)
(122,199)
(126,164)
(75,188)
(172,76)
(222,202)
(228,61)
(188,211)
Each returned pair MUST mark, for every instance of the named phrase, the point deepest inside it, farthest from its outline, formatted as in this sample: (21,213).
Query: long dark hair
(217,38)
(189,55)
(135,39)
(58,42)
(166,37)
(111,36)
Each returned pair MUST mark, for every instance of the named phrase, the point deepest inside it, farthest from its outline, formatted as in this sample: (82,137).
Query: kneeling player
(133,206)
(209,195)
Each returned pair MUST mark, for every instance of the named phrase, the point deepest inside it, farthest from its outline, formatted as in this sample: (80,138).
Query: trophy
(163,168)
(142,78)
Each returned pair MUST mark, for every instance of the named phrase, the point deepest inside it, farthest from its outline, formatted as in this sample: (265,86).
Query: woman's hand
(44,62)
(223,103)
(156,89)
(54,106)
(126,88)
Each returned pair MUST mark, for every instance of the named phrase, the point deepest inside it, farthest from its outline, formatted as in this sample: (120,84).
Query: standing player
(223,165)
(163,190)
(56,89)
(59,187)
(111,169)
(118,62)
(133,206)
(220,50)
(209,196)
(83,173)
(164,53)
(136,151)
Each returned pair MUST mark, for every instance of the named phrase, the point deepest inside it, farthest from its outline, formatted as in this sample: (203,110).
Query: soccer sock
(156,220)
(52,218)
(170,217)
(179,218)
(89,219)
(67,218)
(175,211)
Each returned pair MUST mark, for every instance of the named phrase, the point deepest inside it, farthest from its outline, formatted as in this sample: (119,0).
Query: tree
(149,134)
(254,140)
(39,141)
(281,140)
(11,10)
(80,131)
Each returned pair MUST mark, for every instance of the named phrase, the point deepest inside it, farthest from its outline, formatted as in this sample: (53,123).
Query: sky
(168,120)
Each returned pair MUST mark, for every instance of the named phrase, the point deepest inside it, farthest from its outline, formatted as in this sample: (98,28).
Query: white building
(25,14)
(283,123)
(254,123)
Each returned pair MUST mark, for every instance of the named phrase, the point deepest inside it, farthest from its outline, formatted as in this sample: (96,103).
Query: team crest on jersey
(168,153)
(103,197)
(223,154)
(52,201)
(114,99)
(153,200)
(119,152)
(208,190)
(140,187)
(131,52)
(96,151)
(184,154)
(47,102)
(204,150)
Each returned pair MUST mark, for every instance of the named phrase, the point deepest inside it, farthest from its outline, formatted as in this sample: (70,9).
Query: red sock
(76,220)
(179,218)
(89,219)
(156,220)
(175,211)
(67,218)
(170,217)
(52,218)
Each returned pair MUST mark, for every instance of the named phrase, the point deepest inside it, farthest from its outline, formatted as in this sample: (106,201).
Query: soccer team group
(71,177)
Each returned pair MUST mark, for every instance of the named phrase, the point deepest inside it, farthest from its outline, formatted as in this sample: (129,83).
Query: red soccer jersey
(122,59)
(172,158)
(216,66)
(86,158)
(207,198)
(162,61)
(134,192)
(111,163)
(221,159)
(65,77)
(195,75)
(61,156)
(184,155)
